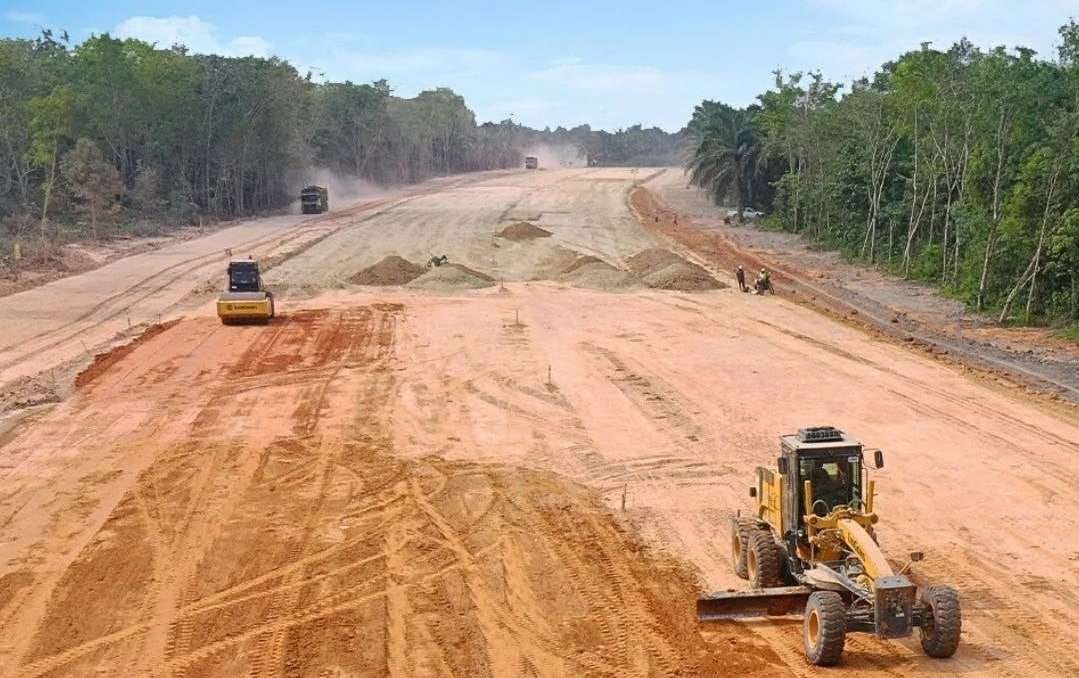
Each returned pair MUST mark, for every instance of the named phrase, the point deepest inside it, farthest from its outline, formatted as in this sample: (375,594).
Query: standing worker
(740,274)
(763,283)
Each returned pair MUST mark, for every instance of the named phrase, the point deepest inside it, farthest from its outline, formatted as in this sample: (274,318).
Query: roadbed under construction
(521,466)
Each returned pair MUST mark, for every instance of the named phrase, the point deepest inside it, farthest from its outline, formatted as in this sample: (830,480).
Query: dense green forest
(957,166)
(112,134)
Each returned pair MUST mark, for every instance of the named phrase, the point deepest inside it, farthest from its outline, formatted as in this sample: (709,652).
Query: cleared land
(402,481)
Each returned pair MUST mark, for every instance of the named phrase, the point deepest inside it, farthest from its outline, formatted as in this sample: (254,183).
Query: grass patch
(1071,333)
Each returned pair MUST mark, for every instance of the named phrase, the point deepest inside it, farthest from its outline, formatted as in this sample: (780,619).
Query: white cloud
(25,18)
(538,90)
(524,108)
(594,77)
(863,34)
(201,37)
(840,60)
(428,65)
(903,13)
(249,45)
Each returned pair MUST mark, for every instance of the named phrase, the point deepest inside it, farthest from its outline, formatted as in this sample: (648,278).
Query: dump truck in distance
(314,200)
(531,162)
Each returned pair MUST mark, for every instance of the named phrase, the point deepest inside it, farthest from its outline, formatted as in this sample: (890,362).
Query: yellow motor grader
(810,547)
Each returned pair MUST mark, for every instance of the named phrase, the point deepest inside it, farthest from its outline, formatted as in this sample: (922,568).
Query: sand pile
(652,260)
(665,270)
(682,275)
(585,260)
(393,270)
(523,230)
(590,271)
(452,277)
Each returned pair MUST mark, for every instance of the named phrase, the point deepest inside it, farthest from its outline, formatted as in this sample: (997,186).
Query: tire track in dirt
(669,411)
(64,559)
(429,542)
(152,285)
(185,528)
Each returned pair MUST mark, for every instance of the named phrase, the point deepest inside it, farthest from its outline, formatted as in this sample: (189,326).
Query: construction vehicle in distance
(246,299)
(810,547)
(314,200)
(531,162)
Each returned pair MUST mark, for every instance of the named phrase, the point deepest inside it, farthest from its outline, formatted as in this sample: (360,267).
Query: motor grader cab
(810,547)
(246,299)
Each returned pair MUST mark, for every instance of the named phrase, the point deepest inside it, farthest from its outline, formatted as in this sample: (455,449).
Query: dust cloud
(344,189)
(556,155)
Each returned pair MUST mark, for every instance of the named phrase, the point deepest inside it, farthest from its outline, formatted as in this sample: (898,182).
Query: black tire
(740,531)
(824,628)
(942,621)
(762,560)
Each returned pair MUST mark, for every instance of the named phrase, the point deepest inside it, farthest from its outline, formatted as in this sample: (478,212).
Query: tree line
(957,166)
(110,133)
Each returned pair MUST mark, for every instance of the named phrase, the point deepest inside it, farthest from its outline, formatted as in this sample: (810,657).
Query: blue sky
(610,64)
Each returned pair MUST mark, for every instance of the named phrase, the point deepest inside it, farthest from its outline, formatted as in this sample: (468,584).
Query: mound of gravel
(652,260)
(585,260)
(452,277)
(601,277)
(593,272)
(682,275)
(523,230)
(393,270)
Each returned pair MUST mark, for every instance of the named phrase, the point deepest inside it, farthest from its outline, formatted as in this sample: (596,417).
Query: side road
(898,309)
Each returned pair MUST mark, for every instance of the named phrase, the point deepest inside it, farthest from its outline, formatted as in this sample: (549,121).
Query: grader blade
(773,602)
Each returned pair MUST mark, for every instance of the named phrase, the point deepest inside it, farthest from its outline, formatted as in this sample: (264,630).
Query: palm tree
(726,152)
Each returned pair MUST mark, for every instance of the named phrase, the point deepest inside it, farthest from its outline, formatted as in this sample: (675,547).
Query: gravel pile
(652,260)
(523,230)
(593,272)
(452,277)
(682,275)
(665,270)
(393,270)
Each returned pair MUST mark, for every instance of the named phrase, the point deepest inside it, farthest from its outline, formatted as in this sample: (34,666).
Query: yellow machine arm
(849,526)
(860,541)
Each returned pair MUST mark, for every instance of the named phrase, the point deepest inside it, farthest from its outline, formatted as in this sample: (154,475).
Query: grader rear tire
(824,628)
(740,531)
(762,560)
(942,621)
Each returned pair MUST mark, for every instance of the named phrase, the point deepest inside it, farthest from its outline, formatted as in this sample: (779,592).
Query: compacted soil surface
(528,475)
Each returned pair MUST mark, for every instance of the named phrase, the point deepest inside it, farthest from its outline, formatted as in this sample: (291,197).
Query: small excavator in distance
(246,299)
(810,547)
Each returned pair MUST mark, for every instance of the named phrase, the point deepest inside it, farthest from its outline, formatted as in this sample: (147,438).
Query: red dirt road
(258,518)
(387,482)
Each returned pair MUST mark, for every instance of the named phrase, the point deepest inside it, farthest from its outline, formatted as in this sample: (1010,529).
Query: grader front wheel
(942,621)
(824,628)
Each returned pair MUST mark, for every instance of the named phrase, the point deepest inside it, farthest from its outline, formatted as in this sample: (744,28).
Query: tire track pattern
(325,553)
